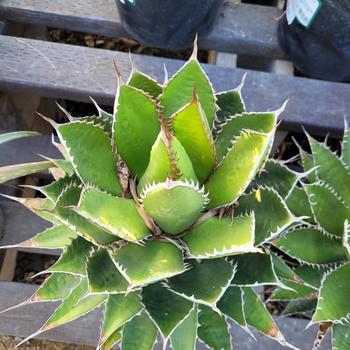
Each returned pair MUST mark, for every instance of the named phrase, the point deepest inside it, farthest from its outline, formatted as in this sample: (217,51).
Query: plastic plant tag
(305,11)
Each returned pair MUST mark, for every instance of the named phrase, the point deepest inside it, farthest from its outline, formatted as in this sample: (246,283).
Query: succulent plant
(164,214)
(321,245)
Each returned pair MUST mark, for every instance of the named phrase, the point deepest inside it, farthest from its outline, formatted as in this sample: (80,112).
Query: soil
(9,343)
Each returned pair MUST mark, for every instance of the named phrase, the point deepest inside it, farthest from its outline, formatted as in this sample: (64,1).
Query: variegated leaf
(184,335)
(237,169)
(117,215)
(341,337)
(165,308)
(145,83)
(173,205)
(333,302)
(299,205)
(148,263)
(74,257)
(192,130)
(139,334)
(168,160)
(202,283)
(65,212)
(282,270)
(329,210)
(258,317)
(254,269)
(278,176)
(346,238)
(136,128)
(107,279)
(331,170)
(235,124)
(11,172)
(296,291)
(56,237)
(213,329)
(89,153)
(272,216)
(229,103)
(179,91)
(312,246)
(119,310)
(300,306)
(217,237)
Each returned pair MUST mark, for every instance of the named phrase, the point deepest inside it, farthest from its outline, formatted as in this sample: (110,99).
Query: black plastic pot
(169,24)
(323,50)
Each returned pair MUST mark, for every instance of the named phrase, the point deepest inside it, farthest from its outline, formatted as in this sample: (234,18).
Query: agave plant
(321,246)
(165,213)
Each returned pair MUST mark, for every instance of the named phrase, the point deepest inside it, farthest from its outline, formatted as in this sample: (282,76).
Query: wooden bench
(58,70)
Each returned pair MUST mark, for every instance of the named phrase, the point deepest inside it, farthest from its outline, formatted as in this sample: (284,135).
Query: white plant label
(132,2)
(304,11)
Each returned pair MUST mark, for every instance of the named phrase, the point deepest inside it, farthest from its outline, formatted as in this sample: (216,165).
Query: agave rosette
(165,213)
(322,244)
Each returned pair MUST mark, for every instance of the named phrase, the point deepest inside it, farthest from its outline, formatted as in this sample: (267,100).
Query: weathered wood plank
(24,321)
(240,28)
(74,72)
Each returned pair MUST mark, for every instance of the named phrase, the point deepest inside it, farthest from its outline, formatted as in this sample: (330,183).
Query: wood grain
(240,28)
(74,72)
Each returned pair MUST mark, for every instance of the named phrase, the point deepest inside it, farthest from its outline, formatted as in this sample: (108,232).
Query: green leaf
(341,337)
(111,341)
(311,275)
(192,130)
(165,308)
(73,258)
(134,335)
(213,329)
(237,169)
(66,212)
(136,128)
(300,306)
(282,270)
(16,135)
(202,283)
(107,279)
(55,237)
(64,165)
(185,334)
(173,205)
(57,286)
(235,124)
(331,170)
(117,215)
(346,238)
(254,269)
(231,304)
(148,263)
(11,172)
(145,83)
(168,160)
(119,310)
(221,237)
(272,216)
(90,153)
(333,302)
(310,245)
(258,317)
(229,103)
(329,211)
(307,161)
(298,203)
(296,291)
(55,189)
(179,91)
(346,147)
(78,304)
(278,176)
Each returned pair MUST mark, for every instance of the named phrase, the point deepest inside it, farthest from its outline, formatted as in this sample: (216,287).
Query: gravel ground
(9,343)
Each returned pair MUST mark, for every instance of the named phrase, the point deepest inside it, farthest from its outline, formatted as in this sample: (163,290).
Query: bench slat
(240,28)
(24,321)
(75,72)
